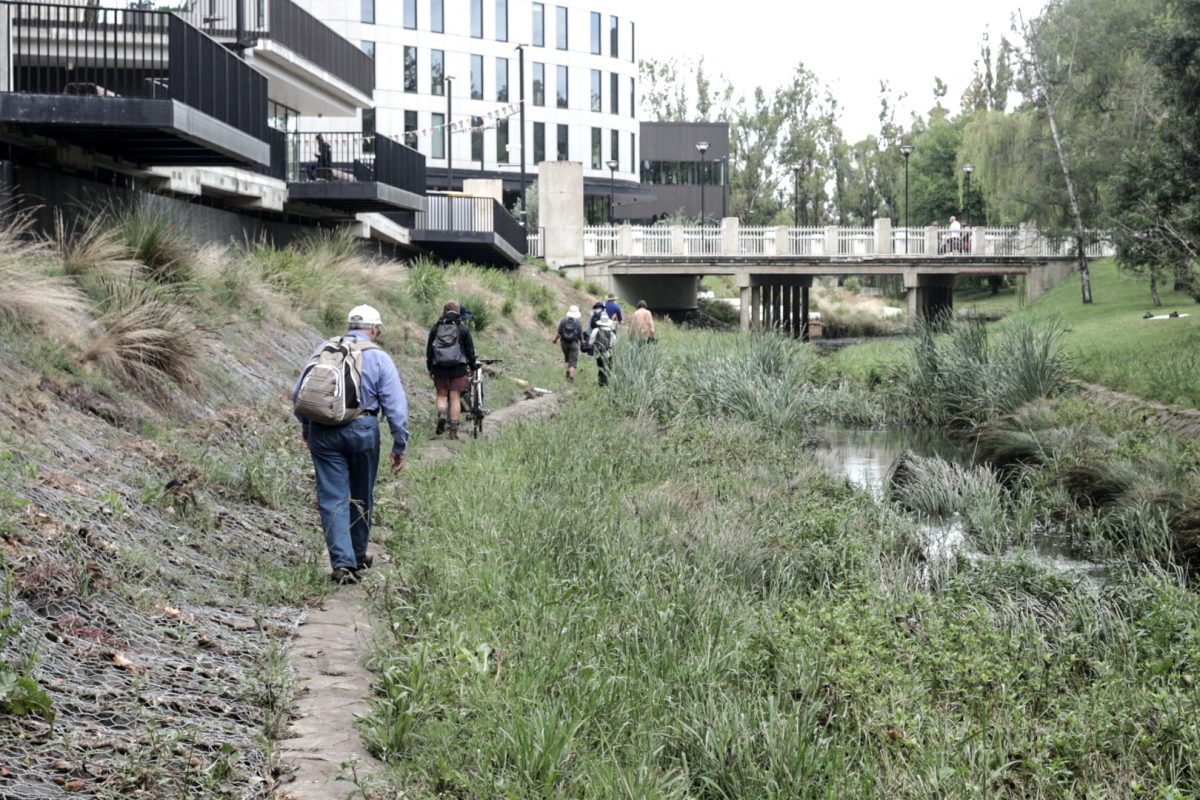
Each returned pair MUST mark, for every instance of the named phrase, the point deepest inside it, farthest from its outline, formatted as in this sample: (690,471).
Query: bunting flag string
(475,122)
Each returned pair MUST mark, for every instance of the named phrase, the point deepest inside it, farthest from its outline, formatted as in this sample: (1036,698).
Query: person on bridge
(570,336)
(954,245)
(641,324)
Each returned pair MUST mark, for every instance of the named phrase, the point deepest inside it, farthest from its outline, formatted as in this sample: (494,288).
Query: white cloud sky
(850,46)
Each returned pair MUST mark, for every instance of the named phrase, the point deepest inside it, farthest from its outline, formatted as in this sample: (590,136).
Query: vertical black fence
(339,156)
(130,53)
(507,228)
(471,215)
(400,166)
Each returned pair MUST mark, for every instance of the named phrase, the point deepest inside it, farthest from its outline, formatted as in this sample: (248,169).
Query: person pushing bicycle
(450,360)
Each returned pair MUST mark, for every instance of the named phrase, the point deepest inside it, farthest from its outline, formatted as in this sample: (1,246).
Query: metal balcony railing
(284,22)
(472,215)
(75,50)
(338,156)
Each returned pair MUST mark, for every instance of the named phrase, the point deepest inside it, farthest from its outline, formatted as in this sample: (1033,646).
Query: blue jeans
(346,459)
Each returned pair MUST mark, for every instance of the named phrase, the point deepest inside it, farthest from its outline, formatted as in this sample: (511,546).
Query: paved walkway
(328,656)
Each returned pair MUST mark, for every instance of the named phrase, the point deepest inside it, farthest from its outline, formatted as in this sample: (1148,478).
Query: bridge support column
(804,290)
(785,310)
(776,303)
(756,308)
(560,212)
(928,295)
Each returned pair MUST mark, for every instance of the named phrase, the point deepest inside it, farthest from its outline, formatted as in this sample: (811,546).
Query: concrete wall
(1040,280)
(676,293)
(484,187)
(560,212)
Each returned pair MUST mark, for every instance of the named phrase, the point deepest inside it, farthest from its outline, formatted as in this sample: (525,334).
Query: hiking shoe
(441,426)
(343,576)
(365,562)
(453,431)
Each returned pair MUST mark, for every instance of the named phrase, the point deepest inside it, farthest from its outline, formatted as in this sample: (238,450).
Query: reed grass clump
(154,238)
(31,300)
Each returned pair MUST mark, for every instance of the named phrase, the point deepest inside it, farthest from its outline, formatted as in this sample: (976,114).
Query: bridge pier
(928,295)
(775,302)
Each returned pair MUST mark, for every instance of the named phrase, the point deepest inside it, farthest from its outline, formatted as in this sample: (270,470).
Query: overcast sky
(850,44)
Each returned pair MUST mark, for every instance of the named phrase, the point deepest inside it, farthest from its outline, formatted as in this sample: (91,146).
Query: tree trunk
(1085,277)
(1154,296)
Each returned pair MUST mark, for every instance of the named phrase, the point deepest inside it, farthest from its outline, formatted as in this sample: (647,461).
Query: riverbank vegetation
(661,594)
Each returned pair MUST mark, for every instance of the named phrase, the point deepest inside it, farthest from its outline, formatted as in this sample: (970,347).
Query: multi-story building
(448,83)
(684,172)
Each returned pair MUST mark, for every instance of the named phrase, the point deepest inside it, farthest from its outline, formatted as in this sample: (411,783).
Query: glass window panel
(614,93)
(597,82)
(614,147)
(539,25)
(502,80)
(597,155)
(539,142)
(437,72)
(368,130)
(410,69)
(477,141)
(632,97)
(632,152)
(438,136)
(477,19)
(502,20)
(437,16)
(614,39)
(502,142)
(560,28)
(368,11)
(596,33)
(410,128)
(561,88)
(410,14)
(476,77)
(564,150)
(368,47)
(632,39)
(539,84)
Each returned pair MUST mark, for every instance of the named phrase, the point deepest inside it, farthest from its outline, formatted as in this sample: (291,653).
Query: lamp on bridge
(703,148)
(796,196)
(967,170)
(906,151)
(724,185)
(612,168)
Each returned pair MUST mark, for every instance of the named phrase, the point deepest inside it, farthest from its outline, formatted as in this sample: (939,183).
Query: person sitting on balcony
(324,167)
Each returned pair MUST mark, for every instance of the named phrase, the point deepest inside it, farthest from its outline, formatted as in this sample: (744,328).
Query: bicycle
(472,400)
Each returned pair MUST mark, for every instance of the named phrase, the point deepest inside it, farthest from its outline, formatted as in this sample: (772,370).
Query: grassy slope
(1109,342)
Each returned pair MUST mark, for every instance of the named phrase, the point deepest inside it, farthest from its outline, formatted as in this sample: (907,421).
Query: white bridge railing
(732,239)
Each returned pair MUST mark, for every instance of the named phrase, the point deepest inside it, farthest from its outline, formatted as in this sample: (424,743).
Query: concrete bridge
(774,266)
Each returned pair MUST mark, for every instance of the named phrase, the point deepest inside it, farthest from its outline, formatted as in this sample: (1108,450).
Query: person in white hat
(569,336)
(345,454)
(601,341)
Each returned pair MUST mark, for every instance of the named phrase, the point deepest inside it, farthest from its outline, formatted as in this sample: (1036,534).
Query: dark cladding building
(681,180)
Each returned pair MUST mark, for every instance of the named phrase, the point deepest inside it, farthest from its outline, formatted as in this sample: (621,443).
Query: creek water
(864,457)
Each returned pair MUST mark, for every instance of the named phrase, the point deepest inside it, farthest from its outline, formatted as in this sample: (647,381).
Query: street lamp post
(703,148)
(906,151)
(796,196)
(724,185)
(448,137)
(612,168)
(521,78)
(967,170)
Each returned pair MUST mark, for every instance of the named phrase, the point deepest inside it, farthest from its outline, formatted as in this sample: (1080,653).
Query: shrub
(852,284)
(95,248)
(594,289)
(27,297)
(427,281)
(545,315)
(158,241)
(507,307)
(481,311)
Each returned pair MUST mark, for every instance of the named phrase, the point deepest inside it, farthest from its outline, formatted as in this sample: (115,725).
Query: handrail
(339,156)
(472,215)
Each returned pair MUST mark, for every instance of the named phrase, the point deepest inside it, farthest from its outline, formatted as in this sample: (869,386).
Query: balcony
(351,173)
(475,229)
(311,68)
(139,86)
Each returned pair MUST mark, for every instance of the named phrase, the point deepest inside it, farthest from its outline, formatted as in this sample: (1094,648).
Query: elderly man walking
(338,398)
(641,324)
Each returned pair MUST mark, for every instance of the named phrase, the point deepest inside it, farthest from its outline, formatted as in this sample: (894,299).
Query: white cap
(604,321)
(363,315)
(573,312)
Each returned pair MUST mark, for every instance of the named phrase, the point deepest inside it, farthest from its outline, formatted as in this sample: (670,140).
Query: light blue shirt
(381,388)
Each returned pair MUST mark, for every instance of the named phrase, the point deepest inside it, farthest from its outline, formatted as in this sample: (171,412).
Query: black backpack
(447,349)
(602,347)
(570,331)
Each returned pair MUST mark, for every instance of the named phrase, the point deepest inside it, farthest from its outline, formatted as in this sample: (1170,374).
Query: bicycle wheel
(477,401)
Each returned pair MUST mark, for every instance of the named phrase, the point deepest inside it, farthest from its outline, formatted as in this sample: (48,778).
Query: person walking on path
(613,309)
(641,324)
(602,340)
(570,336)
(346,456)
(450,359)
(597,312)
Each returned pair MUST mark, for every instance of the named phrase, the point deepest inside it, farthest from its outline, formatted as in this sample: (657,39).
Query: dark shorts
(447,385)
(571,353)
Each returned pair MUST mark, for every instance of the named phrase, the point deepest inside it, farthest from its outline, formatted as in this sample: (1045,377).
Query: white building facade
(580,65)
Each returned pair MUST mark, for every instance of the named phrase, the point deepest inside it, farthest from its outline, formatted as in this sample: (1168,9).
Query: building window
(632,97)
(437,72)
(368,11)
(597,155)
(614,90)
(614,147)
(539,25)
(501,20)
(368,130)
(632,39)
(410,14)
(502,80)
(539,142)
(410,128)
(595,33)
(564,150)
(476,77)
(632,152)
(597,81)
(502,142)
(560,28)
(614,37)
(410,69)
(438,136)
(282,118)
(477,19)
(562,96)
(539,84)
(477,140)
(368,47)
(437,16)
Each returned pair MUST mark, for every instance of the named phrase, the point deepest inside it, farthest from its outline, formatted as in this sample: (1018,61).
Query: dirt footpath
(328,659)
